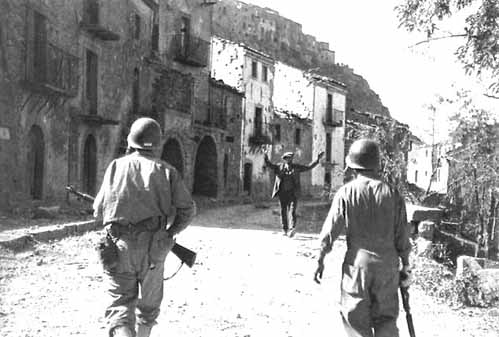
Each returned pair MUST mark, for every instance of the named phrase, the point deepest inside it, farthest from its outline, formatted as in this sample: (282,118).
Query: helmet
(363,155)
(145,134)
(287,155)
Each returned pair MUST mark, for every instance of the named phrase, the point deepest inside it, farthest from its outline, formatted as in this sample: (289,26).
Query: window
(155,32)
(298,136)
(277,133)
(265,73)
(258,122)
(91,81)
(136,91)
(226,169)
(136,27)
(329,108)
(40,47)
(254,69)
(416,176)
(91,12)
(328,147)
(185,26)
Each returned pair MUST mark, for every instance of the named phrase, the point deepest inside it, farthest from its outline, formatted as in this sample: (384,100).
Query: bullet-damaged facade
(252,73)
(66,83)
(74,75)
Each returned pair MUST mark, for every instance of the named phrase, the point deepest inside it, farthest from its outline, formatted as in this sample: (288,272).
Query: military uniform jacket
(374,216)
(138,186)
(294,171)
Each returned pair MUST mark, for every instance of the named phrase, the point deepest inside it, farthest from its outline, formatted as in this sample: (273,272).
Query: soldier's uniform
(138,196)
(374,217)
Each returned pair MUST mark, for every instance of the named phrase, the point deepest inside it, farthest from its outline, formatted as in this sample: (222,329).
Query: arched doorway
(36,159)
(205,169)
(89,176)
(172,154)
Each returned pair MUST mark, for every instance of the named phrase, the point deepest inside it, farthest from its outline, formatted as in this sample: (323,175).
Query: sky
(364,34)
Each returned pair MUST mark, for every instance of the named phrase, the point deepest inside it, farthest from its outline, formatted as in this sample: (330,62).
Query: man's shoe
(285,233)
(292,232)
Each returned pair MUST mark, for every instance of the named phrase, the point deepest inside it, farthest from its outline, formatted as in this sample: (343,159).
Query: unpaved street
(249,280)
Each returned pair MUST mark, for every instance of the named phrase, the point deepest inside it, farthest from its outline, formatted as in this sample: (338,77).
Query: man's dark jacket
(296,168)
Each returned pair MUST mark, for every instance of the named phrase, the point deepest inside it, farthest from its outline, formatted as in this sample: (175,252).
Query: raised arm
(269,163)
(310,166)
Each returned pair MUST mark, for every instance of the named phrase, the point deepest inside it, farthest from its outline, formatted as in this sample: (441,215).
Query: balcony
(329,122)
(190,50)
(55,72)
(259,139)
(91,23)
(333,118)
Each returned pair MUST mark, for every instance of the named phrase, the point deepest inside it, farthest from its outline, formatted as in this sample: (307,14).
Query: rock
(467,264)
(423,247)
(488,282)
(420,213)
(426,229)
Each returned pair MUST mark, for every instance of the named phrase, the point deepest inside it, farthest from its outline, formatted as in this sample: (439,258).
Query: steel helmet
(145,134)
(363,155)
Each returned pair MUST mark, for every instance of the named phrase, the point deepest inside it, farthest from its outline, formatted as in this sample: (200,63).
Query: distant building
(428,167)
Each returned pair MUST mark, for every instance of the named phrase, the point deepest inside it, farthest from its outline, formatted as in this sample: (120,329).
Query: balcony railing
(57,73)
(333,118)
(190,50)
(214,116)
(260,139)
(91,24)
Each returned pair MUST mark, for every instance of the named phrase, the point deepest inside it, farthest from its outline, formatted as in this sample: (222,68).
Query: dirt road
(249,280)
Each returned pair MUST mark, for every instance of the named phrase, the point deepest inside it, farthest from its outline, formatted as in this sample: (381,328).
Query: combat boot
(143,330)
(122,331)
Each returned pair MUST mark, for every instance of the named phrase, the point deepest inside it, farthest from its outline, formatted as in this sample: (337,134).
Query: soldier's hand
(319,271)
(321,154)
(405,276)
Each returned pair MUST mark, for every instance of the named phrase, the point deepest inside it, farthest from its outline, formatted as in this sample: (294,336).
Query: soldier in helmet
(287,187)
(138,197)
(374,217)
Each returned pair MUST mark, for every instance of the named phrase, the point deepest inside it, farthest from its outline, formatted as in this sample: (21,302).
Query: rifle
(185,255)
(404,292)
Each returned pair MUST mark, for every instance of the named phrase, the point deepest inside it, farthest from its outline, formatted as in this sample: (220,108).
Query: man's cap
(287,154)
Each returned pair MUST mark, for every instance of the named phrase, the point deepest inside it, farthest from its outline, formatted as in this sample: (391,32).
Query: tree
(480,31)
(474,177)
(394,143)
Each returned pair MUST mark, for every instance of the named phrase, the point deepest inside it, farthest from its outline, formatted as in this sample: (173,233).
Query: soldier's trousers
(288,202)
(369,300)
(133,275)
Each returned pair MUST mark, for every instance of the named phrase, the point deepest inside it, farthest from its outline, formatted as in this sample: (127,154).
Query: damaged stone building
(285,109)
(75,74)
